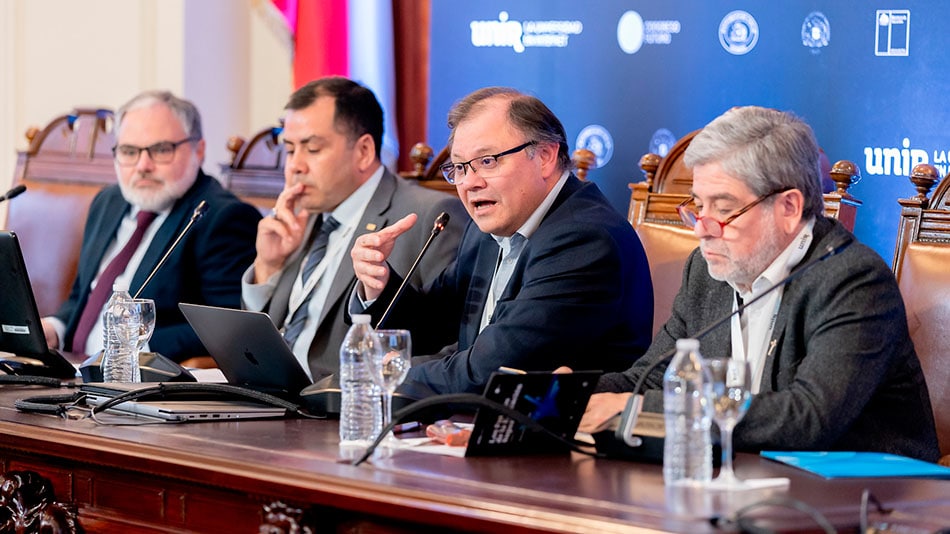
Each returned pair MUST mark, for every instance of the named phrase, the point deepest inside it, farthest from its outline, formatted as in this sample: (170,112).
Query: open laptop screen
(23,349)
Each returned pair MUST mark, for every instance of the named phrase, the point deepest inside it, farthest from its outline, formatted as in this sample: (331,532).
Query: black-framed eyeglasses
(454,171)
(712,226)
(163,152)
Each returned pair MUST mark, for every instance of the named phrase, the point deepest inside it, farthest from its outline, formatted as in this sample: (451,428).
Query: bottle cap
(362,318)
(687,344)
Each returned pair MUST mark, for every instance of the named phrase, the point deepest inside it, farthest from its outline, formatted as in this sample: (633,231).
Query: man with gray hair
(832,364)
(131,225)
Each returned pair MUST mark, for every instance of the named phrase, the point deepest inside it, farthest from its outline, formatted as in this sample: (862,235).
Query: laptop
(248,349)
(21,333)
(557,401)
(180,408)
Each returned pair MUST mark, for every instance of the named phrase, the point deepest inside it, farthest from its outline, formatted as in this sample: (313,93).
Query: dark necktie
(317,251)
(103,290)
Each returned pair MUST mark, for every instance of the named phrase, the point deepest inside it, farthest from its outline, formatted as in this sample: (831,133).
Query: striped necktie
(318,250)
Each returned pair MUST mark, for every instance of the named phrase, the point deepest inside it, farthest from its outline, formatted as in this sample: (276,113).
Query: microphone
(653,446)
(154,366)
(437,227)
(200,210)
(13,192)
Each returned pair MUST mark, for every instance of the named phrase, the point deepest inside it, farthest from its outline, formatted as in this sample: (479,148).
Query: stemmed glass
(389,368)
(144,309)
(730,396)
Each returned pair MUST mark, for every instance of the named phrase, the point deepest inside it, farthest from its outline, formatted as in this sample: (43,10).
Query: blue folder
(841,464)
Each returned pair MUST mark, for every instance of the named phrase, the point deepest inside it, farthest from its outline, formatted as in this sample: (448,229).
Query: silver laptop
(248,348)
(182,411)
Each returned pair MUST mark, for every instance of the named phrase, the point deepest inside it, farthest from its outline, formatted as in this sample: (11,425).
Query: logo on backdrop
(633,31)
(517,35)
(816,31)
(597,139)
(893,32)
(738,32)
(661,142)
(900,161)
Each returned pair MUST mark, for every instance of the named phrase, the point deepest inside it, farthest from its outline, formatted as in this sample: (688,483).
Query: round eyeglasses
(712,226)
(163,152)
(454,172)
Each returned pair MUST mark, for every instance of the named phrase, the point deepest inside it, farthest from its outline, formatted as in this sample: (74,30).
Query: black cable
(162,390)
(748,524)
(57,405)
(37,381)
(476,400)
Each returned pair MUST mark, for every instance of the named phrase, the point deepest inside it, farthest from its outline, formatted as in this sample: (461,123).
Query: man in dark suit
(548,275)
(336,190)
(159,151)
(832,363)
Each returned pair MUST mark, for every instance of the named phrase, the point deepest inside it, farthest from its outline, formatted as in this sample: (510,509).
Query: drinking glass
(389,368)
(730,396)
(145,309)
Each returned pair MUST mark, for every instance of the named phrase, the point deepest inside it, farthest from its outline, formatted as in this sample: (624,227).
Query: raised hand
(279,234)
(370,252)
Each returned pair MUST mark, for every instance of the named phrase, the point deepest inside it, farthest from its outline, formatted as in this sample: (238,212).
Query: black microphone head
(440,222)
(14,192)
(200,210)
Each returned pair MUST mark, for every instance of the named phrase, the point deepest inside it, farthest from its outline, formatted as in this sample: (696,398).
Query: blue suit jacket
(580,296)
(205,268)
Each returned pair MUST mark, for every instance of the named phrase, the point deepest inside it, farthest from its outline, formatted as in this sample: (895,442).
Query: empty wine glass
(730,396)
(145,309)
(389,368)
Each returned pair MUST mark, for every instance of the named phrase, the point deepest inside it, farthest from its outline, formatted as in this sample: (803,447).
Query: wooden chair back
(668,242)
(66,164)
(922,267)
(256,171)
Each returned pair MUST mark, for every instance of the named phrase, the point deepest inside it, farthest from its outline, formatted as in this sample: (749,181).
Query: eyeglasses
(163,152)
(711,226)
(455,171)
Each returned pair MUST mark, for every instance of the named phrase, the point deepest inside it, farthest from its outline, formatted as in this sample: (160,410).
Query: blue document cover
(841,464)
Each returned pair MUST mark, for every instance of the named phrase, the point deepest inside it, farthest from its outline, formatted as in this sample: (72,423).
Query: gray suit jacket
(843,374)
(394,199)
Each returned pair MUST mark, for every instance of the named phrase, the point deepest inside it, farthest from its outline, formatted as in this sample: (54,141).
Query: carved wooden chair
(668,242)
(256,171)
(66,164)
(922,267)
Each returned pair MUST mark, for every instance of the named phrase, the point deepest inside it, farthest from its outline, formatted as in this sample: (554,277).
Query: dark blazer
(205,268)
(394,199)
(580,296)
(844,374)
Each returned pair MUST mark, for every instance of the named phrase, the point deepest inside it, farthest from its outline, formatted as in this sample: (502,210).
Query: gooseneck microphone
(437,227)
(13,192)
(628,419)
(200,210)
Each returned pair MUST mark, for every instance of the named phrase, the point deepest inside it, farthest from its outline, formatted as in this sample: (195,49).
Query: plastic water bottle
(120,336)
(687,448)
(361,414)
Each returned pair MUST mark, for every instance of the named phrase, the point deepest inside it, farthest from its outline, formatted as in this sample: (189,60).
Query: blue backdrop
(629,77)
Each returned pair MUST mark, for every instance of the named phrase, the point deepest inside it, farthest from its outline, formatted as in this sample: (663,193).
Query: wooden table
(217,477)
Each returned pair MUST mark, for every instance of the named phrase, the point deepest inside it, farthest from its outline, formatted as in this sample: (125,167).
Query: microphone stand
(631,412)
(200,210)
(437,227)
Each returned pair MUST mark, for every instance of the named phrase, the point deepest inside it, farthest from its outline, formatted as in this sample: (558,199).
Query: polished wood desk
(217,477)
